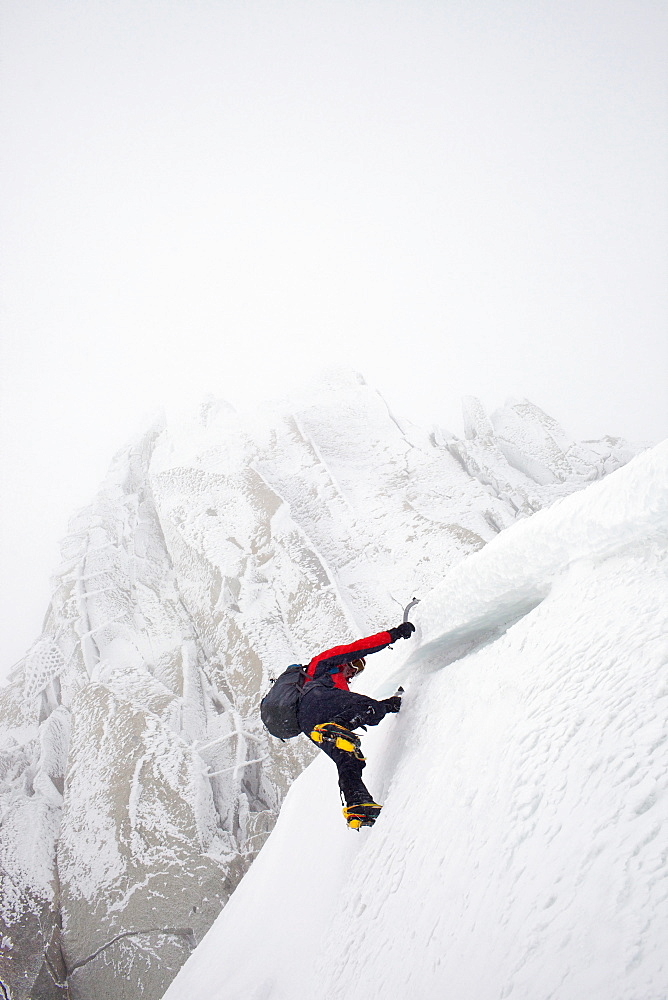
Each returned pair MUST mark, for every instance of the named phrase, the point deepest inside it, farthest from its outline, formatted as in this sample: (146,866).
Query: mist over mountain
(137,783)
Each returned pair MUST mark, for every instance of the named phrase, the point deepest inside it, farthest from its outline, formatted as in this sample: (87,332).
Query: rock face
(137,783)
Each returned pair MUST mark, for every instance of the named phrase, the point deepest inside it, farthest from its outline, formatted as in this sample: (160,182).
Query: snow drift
(521,850)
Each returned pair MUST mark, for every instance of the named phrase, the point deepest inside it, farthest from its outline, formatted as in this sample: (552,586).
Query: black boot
(361,814)
(337,736)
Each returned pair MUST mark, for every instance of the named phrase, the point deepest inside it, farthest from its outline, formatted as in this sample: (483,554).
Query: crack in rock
(187,933)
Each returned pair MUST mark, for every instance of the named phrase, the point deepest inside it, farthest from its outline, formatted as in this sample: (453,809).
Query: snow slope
(137,783)
(521,851)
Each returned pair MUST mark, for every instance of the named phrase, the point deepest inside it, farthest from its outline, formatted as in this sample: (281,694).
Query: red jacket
(333,660)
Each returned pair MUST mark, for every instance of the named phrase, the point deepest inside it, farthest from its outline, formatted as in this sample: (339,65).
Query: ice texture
(137,784)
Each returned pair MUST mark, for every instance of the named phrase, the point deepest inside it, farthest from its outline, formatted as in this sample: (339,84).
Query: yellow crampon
(361,814)
(342,738)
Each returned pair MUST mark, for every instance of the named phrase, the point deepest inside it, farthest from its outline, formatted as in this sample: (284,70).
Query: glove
(402,631)
(392,704)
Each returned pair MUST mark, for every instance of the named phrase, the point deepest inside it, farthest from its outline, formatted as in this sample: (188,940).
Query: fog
(226,197)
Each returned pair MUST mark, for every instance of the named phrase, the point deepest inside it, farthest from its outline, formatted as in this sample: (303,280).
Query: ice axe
(407,609)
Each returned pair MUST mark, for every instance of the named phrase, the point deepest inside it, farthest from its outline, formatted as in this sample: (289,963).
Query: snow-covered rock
(521,850)
(136,782)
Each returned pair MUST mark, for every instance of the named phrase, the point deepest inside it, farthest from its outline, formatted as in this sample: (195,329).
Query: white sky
(452,196)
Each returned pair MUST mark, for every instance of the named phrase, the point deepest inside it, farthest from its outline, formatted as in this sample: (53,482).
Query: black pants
(345,708)
(350,770)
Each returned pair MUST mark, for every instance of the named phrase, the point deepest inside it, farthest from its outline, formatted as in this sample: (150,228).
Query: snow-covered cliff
(136,782)
(521,850)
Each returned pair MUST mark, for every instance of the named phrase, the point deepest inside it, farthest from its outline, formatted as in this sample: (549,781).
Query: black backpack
(278,708)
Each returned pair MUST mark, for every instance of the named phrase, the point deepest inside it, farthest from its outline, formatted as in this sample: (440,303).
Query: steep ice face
(137,781)
(521,848)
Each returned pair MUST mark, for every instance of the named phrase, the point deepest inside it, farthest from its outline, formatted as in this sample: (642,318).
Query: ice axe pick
(407,609)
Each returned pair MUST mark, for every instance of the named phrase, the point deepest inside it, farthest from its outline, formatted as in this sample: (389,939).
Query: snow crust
(521,850)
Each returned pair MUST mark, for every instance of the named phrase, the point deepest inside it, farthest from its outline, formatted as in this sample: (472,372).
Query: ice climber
(329,712)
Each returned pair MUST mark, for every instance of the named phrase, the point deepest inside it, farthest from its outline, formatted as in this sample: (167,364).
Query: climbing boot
(342,738)
(361,814)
